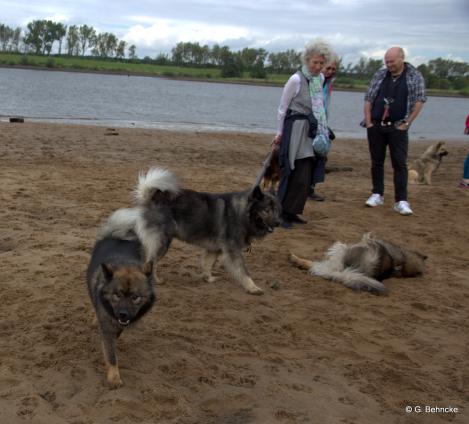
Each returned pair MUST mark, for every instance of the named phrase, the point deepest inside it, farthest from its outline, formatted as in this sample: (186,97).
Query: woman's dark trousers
(299,183)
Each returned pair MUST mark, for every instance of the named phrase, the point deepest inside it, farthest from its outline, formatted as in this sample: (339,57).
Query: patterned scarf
(327,90)
(317,102)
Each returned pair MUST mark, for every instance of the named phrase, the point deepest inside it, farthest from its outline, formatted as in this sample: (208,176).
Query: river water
(120,100)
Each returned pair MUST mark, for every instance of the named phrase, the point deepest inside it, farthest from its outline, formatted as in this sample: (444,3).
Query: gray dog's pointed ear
(423,256)
(256,193)
(148,268)
(107,271)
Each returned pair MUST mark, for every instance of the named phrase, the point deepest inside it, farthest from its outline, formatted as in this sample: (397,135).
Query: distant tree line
(443,74)
(438,73)
(43,36)
(40,37)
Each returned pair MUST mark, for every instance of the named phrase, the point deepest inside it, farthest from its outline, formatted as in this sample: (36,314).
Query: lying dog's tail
(156,179)
(300,262)
(348,277)
(120,225)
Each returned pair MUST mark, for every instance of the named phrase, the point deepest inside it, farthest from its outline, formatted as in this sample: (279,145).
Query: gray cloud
(426,28)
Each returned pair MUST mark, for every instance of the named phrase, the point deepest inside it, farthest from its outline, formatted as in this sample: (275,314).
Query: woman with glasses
(319,169)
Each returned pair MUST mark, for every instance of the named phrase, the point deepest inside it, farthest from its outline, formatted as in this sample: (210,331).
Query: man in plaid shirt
(393,101)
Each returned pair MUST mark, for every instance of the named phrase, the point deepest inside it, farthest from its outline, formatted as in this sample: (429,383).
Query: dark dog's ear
(422,255)
(148,268)
(256,193)
(107,271)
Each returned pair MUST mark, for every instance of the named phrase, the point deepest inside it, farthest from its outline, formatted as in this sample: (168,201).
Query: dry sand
(308,351)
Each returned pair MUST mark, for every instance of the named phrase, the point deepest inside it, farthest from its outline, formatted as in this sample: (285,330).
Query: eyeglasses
(330,68)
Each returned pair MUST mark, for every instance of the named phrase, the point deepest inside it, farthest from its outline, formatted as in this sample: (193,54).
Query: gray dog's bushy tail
(120,225)
(156,179)
(349,277)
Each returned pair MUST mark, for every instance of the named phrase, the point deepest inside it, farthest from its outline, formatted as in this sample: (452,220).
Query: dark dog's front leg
(109,340)
(208,262)
(234,264)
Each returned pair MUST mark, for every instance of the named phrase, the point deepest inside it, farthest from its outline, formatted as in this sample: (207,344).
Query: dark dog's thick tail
(348,277)
(155,180)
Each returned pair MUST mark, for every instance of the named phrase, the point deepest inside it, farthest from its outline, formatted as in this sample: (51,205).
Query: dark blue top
(396,92)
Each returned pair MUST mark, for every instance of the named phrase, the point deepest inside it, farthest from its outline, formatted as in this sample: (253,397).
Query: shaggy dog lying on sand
(365,264)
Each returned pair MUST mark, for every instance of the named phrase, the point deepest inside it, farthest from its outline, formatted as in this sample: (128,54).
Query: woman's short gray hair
(317,47)
(334,58)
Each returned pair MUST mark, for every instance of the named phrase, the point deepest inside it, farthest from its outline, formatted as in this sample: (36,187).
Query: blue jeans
(466,168)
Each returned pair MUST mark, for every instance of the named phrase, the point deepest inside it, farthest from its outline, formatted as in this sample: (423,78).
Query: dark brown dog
(121,289)
(272,173)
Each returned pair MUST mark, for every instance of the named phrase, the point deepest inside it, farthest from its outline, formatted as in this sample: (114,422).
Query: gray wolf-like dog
(365,264)
(223,225)
(422,169)
(120,285)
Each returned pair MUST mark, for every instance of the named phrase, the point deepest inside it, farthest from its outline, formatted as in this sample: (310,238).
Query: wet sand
(308,351)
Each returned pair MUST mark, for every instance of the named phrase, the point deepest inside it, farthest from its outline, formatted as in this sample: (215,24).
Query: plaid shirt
(415,87)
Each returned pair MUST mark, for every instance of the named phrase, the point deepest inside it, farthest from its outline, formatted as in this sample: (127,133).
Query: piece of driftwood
(17,119)
(111,131)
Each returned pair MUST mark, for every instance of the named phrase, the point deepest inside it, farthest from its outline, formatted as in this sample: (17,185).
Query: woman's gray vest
(300,145)
(301,103)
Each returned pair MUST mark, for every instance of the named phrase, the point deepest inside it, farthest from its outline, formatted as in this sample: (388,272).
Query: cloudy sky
(425,28)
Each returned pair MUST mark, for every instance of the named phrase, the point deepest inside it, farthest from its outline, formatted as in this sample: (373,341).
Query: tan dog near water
(422,169)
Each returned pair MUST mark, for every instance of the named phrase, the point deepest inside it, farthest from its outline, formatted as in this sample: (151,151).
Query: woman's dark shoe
(287,221)
(316,197)
(297,220)
(293,218)
(286,224)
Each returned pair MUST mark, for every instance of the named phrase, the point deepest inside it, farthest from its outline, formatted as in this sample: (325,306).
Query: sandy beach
(308,351)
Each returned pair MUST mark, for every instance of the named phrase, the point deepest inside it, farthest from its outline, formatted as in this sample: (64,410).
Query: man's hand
(404,126)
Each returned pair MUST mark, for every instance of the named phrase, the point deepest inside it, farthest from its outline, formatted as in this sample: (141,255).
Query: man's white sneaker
(375,200)
(403,208)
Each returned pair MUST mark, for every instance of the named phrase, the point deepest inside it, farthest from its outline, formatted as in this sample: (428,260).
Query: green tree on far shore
(86,37)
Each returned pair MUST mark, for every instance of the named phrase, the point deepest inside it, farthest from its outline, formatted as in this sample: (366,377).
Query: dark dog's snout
(273,226)
(123,315)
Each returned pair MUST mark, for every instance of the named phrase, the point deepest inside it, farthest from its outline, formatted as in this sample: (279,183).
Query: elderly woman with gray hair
(302,132)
